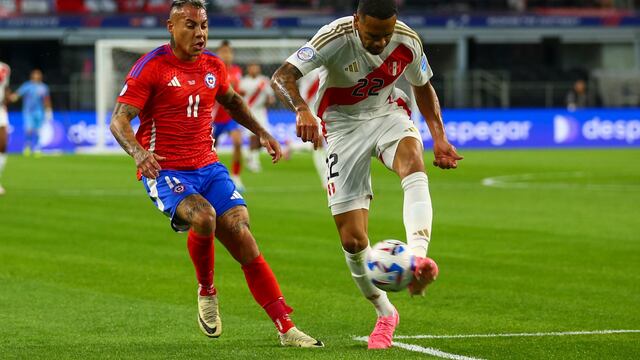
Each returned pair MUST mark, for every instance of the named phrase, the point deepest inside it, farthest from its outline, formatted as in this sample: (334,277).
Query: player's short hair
(198,4)
(379,9)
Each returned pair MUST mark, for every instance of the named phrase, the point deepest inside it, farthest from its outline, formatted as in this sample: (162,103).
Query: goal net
(115,57)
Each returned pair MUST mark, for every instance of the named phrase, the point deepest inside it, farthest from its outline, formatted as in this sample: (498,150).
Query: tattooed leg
(197,212)
(234,233)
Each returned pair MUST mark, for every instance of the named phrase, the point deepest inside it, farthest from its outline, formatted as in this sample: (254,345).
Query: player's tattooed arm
(122,131)
(285,86)
(239,111)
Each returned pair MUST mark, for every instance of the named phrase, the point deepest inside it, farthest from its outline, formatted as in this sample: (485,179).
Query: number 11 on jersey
(192,109)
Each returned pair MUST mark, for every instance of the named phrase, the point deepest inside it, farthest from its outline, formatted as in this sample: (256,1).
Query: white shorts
(4,117)
(349,156)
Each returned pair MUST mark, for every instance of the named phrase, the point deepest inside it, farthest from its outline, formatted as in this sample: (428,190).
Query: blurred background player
(5,73)
(223,122)
(36,109)
(257,92)
(577,97)
(173,89)
(365,115)
(309,86)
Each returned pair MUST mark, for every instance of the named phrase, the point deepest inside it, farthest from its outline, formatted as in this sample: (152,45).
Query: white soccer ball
(390,265)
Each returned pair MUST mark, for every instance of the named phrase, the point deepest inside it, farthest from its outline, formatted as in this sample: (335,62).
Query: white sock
(320,162)
(254,155)
(379,299)
(3,162)
(417,212)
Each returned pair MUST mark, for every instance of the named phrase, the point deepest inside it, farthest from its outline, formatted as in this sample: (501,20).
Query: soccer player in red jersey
(223,122)
(172,89)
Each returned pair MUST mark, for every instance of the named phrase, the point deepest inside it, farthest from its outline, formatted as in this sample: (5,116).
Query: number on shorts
(332,160)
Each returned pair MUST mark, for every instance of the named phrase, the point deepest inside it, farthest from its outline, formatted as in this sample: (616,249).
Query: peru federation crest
(210,80)
(395,68)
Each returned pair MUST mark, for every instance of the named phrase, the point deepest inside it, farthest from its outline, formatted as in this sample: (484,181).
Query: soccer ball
(390,265)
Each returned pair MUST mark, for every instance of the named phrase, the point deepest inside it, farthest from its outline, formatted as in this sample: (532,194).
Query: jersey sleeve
(316,52)
(419,71)
(223,78)
(137,87)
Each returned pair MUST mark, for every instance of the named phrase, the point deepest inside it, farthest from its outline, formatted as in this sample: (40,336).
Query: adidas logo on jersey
(236,196)
(174,82)
(353,67)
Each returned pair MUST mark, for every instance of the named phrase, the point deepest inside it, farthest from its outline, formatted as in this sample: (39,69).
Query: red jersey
(220,116)
(175,99)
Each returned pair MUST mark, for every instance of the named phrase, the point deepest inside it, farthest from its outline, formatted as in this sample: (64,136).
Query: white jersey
(5,73)
(356,85)
(309,86)
(256,93)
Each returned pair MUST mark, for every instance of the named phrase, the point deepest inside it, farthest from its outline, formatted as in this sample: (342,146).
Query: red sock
(201,252)
(266,291)
(235,168)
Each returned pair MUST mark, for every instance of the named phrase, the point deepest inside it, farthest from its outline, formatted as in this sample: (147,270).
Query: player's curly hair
(198,4)
(379,9)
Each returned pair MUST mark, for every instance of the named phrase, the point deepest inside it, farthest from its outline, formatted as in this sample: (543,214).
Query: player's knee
(204,220)
(354,241)
(411,163)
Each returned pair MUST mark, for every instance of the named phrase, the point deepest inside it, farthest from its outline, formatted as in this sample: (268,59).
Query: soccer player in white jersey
(5,72)
(257,92)
(364,115)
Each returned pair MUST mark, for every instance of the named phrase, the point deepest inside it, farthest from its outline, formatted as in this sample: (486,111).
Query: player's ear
(356,21)
(170,26)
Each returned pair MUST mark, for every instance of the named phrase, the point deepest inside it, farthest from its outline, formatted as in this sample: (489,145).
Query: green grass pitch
(90,269)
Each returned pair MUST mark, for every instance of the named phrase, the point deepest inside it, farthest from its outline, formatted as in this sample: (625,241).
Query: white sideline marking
(566,333)
(424,350)
(524,181)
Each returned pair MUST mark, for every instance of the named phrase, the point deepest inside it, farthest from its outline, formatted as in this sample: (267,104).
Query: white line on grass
(425,350)
(566,333)
(527,181)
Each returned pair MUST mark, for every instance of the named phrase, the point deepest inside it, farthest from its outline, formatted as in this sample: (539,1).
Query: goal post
(115,57)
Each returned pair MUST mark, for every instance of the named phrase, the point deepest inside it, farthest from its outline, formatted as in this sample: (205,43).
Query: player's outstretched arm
(146,162)
(446,156)
(284,85)
(239,111)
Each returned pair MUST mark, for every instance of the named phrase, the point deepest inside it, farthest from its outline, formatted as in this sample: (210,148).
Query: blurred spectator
(577,97)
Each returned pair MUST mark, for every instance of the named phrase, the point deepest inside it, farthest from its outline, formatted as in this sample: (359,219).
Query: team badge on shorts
(178,189)
(306,54)
(210,80)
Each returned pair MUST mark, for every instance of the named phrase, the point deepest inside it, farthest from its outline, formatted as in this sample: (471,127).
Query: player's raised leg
(233,231)
(352,227)
(417,210)
(200,215)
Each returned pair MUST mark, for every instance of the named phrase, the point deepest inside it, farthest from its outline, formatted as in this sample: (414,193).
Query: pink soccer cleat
(425,273)
(382,335)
